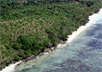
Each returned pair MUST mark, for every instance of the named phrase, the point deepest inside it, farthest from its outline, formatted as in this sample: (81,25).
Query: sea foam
(92,20)
(11,67)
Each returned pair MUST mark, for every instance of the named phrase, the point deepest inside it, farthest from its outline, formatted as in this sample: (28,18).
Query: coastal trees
(28,43)
(28,28)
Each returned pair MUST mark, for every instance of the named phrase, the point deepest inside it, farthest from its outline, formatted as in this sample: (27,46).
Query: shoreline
(41,54)
(60,44)
(68,40)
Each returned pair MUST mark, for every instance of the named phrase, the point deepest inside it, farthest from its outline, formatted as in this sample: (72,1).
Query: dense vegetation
(27,27)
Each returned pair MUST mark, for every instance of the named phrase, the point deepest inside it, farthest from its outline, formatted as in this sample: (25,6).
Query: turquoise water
(83,54)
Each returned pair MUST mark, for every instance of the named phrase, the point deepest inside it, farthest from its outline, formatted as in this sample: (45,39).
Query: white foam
(92,20)
(11,67)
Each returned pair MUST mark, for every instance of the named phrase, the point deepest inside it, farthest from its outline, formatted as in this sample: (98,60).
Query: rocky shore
(34,58)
